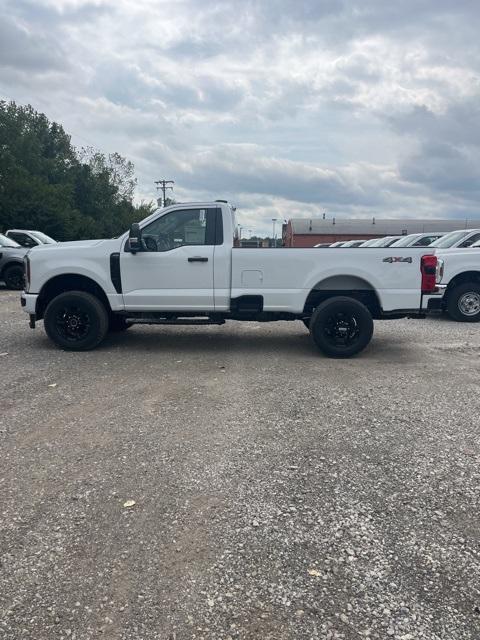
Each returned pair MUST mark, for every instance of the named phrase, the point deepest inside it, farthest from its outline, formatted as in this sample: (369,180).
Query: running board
(178,321)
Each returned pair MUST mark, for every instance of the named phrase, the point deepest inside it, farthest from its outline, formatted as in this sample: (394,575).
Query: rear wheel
(14,277)
(76,321)
(341,327)
(463,304)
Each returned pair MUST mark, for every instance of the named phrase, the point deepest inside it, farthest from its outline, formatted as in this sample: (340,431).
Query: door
(174,272)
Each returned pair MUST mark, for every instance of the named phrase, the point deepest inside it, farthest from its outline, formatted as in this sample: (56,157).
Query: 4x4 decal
(397,259)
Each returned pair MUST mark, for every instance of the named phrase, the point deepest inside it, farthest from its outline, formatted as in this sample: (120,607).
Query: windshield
(382,242)
(43,237)
(404,242)
(389,241)
(450,239)
(7,242)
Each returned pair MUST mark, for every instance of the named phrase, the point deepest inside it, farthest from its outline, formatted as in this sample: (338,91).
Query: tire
(463,303)
(118,323)
(76,321)
(14,277)
(341,327)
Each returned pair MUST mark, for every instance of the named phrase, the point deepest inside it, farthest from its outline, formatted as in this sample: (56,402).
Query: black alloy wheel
(76,321)
(73,322)
(341,327)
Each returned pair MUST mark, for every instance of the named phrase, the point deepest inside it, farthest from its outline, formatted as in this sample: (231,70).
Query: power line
(162,185)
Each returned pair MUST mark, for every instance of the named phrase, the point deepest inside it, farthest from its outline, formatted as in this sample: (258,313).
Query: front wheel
(463,303)
(14,277)
(341,327)
(76,321)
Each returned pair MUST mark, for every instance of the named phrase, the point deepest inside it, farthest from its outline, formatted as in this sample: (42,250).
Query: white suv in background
(457,239)
(418,240)
(27,238)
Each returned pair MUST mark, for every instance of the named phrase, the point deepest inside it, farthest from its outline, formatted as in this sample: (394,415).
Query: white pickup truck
(180,266)
(457,290)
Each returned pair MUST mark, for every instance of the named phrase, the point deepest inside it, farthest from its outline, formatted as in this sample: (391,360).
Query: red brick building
(307,232)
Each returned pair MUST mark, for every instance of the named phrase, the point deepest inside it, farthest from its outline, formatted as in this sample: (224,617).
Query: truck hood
(13,252)
(76,244)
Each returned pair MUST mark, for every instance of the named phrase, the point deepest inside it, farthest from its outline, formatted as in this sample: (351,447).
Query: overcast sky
(286,108)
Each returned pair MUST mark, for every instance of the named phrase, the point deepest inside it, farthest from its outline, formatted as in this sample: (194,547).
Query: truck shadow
(255,341)
(198,340)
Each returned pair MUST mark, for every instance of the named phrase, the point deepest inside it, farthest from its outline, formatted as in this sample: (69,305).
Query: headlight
(26,269)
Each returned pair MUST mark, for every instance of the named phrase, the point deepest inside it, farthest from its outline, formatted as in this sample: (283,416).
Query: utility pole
(162,185)
(274,220)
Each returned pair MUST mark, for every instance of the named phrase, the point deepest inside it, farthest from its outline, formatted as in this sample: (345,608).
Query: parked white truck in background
(457,287)
(180,266)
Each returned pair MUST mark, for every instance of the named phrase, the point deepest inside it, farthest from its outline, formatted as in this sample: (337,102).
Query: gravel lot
(278,494)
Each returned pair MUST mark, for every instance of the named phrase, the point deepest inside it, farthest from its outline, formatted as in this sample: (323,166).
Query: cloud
(363,107)
(446,158)
(246,168)
(22,50)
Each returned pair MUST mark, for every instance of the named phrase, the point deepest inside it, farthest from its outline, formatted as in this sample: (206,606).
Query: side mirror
(135,238)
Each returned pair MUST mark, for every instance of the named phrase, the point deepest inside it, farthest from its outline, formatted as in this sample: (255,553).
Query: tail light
(440,270)
(428,268)
(26,268)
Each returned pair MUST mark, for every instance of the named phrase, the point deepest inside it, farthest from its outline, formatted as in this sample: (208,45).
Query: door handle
(198,259)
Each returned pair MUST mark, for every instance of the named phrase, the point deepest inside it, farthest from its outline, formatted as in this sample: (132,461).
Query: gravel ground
(278,494)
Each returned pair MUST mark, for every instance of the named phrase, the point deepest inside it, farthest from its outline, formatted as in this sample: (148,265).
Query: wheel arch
(461,278)
(69,282)
(11,262)
(344,285)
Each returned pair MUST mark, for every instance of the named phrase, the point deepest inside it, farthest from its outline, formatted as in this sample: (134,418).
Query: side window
(18,237)
(424,242)
(469,241)
(185,227)
(22,239)
(28,242)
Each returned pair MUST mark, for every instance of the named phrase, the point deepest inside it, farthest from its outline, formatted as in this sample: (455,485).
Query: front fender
(87,269)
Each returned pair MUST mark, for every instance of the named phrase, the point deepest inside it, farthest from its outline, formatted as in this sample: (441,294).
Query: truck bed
(288,274)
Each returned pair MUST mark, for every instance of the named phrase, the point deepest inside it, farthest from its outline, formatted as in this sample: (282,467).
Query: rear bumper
(29,302)
(434,302)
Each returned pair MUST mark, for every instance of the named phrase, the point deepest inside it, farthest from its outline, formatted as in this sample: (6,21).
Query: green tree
(119,171)
(46,184)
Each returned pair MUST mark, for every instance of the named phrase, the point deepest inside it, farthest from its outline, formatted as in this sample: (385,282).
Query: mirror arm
(135,235)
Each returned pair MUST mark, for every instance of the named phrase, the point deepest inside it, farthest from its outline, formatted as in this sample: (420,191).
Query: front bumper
(29,302)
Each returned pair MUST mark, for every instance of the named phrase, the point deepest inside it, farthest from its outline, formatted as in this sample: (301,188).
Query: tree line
(49,185)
